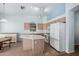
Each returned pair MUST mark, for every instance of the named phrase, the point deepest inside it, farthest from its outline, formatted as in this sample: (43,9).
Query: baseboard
(70,51)
(54,48)
(76,44)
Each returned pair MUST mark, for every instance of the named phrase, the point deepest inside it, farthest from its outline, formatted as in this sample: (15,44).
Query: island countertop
(32,37)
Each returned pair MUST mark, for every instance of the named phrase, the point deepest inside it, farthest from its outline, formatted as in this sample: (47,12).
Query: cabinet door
(56,45)
(56,31)
(62,37)
(52,27)
(52,42)
(27,44)
(52,35)
(38,47)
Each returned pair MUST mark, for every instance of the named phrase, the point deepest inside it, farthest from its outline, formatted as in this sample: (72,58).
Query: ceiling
(30,9)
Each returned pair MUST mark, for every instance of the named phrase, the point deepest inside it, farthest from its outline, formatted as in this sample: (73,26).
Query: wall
(77,28)
(57,11)
(13,24)
(1,16)
(16,23)
(70,27)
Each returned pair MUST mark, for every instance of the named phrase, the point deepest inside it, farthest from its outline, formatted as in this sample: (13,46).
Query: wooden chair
(6,43)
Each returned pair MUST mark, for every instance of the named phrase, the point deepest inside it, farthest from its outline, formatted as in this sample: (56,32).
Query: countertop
(32,37)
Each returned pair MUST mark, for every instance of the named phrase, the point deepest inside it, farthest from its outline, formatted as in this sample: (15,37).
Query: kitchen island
(34,43)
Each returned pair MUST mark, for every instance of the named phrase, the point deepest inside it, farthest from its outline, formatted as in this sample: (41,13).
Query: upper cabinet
(32,27)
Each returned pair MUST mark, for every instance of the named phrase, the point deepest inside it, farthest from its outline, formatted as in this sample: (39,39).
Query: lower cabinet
(34,44)
(38,47)
(56,45)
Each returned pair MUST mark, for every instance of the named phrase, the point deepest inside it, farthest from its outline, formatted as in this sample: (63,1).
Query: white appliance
(57,36)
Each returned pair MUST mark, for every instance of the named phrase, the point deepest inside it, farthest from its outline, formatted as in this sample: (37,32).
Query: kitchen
(35,22)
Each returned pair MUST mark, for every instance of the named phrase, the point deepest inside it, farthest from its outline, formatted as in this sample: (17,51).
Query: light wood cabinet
(38,47)
(35,43)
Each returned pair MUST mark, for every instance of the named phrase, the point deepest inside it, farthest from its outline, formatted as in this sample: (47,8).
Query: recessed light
(3,20)
(36,8)
(46,9)
(31,6)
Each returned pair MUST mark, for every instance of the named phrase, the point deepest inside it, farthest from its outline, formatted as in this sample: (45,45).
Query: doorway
(74,28)
(76,31)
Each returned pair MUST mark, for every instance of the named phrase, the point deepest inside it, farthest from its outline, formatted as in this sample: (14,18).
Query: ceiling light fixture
(36,8)
(46,9)
(3,20)
(22,7)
